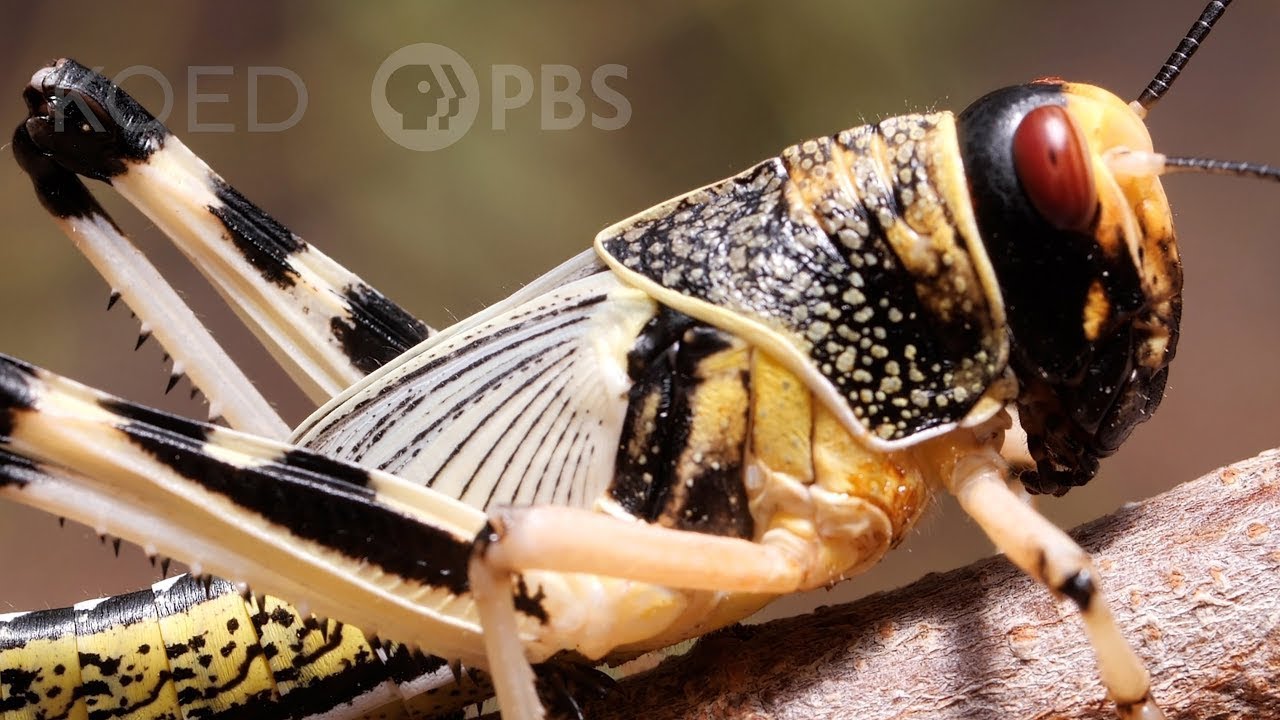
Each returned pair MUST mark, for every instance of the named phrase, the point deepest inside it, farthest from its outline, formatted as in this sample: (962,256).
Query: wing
(523,404)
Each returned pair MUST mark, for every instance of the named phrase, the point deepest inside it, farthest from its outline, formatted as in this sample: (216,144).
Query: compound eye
(1053,165)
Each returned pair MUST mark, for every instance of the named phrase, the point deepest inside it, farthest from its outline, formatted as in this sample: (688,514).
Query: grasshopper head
(1086,262)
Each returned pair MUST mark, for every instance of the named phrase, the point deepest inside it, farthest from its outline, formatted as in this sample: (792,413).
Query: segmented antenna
(1163,80)
(1222,167)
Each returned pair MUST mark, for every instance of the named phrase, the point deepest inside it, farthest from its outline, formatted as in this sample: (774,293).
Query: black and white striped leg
(160,309)
(323,324)
(245,508)
(1047,554)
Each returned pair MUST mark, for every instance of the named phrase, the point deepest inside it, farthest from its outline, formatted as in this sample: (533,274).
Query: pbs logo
(425,96)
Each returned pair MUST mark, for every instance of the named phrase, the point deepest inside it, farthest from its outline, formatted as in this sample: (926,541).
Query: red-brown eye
(1053,166)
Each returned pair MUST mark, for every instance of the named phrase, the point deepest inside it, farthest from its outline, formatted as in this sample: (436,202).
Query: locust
(746,391)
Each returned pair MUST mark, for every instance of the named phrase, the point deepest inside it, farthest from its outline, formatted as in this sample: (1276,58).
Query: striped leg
(288,521)
(121,469)
(232,397)
(81,124)
(321,322)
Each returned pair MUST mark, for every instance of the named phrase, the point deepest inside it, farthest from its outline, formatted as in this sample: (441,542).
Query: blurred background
(713,87)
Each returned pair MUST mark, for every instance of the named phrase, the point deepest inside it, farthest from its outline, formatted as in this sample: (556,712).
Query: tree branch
(1193,576)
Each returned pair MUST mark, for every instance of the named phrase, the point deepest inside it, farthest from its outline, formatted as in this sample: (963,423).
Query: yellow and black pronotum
(748,390)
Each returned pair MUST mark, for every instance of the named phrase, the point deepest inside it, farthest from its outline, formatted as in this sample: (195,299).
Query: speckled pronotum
(749,390)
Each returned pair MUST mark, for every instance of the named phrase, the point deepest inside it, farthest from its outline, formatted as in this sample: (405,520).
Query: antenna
(1169,72)
(1137,163)
(1221,167)
(1123,161)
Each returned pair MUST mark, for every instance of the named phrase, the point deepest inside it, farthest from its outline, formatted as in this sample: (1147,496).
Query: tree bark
(1192,575)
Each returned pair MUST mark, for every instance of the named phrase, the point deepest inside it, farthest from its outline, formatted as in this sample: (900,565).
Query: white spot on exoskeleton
(818,330)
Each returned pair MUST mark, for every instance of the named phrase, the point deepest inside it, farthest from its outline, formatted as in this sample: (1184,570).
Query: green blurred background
(714,87)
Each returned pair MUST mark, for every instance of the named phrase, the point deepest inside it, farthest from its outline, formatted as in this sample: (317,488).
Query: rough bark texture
(1193,577)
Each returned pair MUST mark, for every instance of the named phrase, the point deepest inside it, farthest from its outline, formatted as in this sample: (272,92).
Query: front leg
(1046,553)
